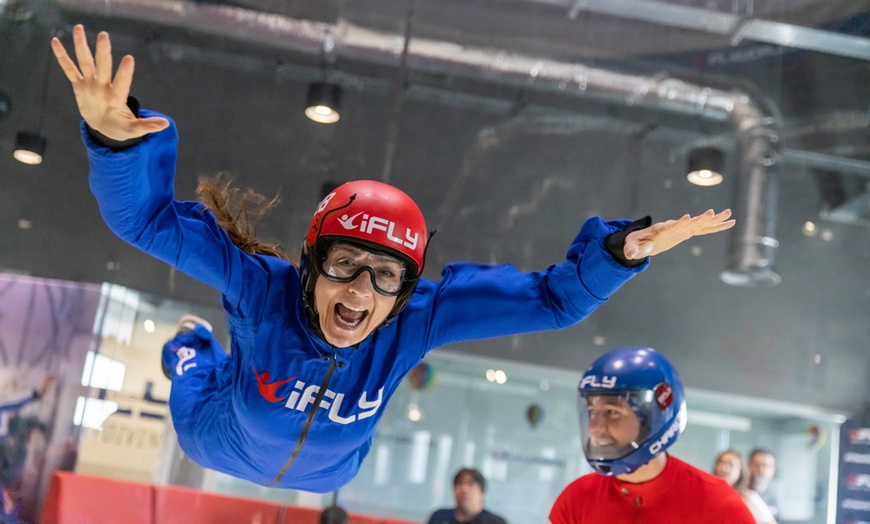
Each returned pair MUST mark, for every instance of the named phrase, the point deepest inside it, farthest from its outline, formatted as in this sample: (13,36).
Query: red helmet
(375,214)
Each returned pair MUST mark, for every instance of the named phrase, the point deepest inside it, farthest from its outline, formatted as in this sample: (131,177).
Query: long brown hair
(742,482)
(239,212)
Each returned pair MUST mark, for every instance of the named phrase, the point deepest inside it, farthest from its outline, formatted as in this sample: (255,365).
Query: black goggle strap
(315,269)
(425,251)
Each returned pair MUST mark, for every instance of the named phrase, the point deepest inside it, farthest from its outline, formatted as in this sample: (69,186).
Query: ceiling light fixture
(29,147)
(324,100)
(705,166)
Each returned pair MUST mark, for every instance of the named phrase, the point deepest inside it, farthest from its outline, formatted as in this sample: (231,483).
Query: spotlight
(323,102)
(705,166)
(29,147)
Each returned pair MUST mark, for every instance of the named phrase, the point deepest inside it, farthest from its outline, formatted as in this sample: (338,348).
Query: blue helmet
(641,395)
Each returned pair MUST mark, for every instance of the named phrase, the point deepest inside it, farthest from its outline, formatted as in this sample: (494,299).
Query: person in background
(10,406)
(317,346)
(762,468)
(22,442)
(729,467)
(632,409)
(333,515)
(469,491)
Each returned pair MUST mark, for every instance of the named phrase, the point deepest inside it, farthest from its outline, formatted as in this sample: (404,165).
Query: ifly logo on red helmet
(369,224)
(859,436)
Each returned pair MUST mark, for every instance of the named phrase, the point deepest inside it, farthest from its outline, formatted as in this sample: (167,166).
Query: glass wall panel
(523,434)
(516,424)
(46,331)
(122,410)
(107,415)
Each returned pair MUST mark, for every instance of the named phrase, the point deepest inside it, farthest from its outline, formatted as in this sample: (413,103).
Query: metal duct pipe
(752,244)
(750,258)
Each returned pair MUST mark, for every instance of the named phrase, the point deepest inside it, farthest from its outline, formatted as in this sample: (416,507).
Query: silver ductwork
(751,250)
(753,241)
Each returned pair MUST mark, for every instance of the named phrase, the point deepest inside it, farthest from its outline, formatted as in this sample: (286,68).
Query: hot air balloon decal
(422,377)
(534,415)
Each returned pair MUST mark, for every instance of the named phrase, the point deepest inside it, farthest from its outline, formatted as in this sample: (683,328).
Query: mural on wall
(46,329)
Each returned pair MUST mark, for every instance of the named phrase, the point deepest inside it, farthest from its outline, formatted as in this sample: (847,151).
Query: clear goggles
(614,425)
(345,262)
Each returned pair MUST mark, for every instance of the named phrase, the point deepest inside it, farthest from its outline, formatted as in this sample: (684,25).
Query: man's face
(762,466)
(469,496)
(613,426)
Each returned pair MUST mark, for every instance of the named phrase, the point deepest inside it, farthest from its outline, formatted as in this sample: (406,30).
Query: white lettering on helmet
(391,236)
(657,446)
(324,202)
(379,224)
(411,242)
(663,397)
(592,381)
(374,223)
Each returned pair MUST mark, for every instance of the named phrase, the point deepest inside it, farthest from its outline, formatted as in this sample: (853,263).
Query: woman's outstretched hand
(662,236)
(102,101)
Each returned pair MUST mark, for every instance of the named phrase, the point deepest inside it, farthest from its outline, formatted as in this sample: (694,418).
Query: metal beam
(839,164)
(806,38)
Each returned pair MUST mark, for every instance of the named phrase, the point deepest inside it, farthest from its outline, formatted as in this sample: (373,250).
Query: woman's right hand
(102,101)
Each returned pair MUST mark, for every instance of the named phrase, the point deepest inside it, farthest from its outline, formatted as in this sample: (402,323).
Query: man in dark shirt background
(469,490)
(762,467)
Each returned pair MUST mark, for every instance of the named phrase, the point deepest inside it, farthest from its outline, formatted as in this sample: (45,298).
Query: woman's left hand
(102,100)
(662,236)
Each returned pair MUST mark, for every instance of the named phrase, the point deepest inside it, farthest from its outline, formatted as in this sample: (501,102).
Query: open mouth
(349,317)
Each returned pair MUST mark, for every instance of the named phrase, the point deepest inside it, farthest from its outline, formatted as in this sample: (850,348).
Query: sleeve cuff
(117,145)
(615,242)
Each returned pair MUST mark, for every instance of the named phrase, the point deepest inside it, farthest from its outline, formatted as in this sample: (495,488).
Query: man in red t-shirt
(632,408)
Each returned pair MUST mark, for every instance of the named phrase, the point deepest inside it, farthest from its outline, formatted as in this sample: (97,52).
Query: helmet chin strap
(308,280)
(408,286)
(309,271)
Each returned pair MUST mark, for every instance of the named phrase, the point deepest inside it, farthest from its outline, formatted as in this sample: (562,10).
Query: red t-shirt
(681,493)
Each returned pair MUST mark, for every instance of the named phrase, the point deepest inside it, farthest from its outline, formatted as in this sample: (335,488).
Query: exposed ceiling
(510,122)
